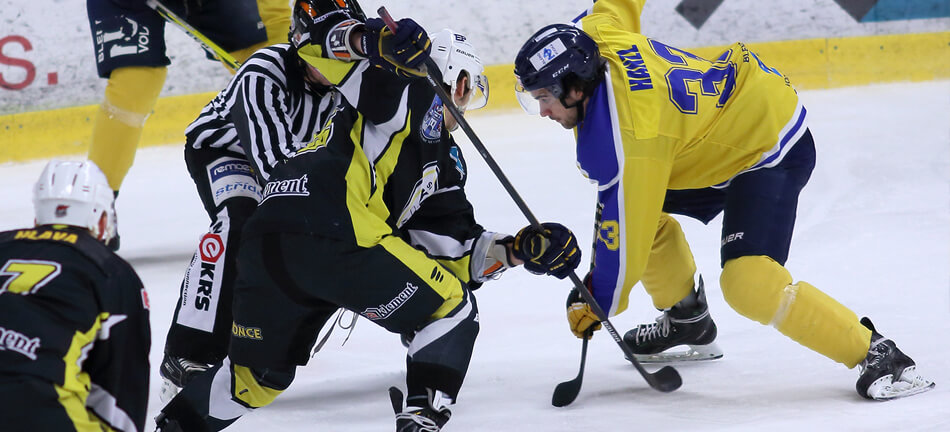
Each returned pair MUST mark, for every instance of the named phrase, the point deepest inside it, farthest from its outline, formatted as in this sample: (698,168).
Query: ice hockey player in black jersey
(372,216)
(270,109)
(74,329)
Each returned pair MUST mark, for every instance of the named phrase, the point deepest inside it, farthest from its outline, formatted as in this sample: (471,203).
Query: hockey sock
(761,289)
(129,98)
(668,276)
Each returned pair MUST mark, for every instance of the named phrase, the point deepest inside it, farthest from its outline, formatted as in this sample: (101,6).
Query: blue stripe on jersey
(577,19)
(793,130)
(607,251)
(596,152)
(777,155)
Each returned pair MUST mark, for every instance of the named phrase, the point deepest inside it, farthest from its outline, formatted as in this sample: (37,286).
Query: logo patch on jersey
(246,332)
(211,248)
(432,122)
(384,310)
(232,177)
(145,303)
(11,340)
(424,188)
(637,75)
(456,156)
(290,187)
(201,287)
(320,138)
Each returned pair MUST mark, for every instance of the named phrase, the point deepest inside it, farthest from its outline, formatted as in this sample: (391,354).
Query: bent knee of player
(257,387)
(754,286)
(461,323)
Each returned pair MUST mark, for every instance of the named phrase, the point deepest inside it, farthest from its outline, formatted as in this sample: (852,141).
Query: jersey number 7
(27,276)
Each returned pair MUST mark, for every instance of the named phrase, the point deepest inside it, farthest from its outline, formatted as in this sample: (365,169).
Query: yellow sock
(668,276)
(129,98)
(275,14)
(761,289)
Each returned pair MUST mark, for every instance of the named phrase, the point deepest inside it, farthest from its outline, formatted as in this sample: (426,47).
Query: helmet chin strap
(579,105)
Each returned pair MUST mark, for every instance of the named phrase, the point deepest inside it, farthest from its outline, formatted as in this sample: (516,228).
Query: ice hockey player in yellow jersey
(662,131)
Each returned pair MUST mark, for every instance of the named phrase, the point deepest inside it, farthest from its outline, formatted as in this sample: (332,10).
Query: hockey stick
(206,43)
(567,391)
(666,379)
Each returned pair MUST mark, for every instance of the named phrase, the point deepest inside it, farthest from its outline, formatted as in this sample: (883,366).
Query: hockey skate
(886,372)
(412,418)
(175,373)
(687,324)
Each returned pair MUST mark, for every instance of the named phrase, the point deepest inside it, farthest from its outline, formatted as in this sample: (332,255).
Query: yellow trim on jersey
(76,382)
(333,70)
(459,267)
(249,391)
(445,283)
(366,208)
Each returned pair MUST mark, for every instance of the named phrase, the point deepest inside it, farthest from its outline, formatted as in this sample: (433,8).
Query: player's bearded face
(552,108)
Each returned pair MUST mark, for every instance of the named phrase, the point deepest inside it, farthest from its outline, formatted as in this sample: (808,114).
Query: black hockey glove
(551,250)
(402,53)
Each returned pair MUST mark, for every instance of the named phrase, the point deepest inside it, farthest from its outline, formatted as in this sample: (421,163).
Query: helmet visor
(528,103)
(479,96)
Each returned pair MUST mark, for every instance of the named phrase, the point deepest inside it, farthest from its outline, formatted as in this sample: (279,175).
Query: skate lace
(426,424)
(661,328)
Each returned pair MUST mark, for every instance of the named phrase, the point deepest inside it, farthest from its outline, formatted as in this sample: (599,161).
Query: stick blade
(565,393)
(666,379)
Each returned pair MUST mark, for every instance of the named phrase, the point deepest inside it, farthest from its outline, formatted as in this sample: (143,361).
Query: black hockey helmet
(552,57)
(307,14)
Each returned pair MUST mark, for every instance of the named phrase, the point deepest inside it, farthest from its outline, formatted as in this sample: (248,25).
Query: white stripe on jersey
(440,246)
(281,120)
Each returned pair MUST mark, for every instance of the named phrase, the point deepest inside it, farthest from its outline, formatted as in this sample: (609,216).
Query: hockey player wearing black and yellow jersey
(662,130)
(74,329)
(371,216)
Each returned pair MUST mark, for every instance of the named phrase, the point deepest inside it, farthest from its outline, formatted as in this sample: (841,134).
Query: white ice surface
(873,232)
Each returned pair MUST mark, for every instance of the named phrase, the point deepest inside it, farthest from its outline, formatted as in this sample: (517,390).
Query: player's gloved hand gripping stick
(666,379)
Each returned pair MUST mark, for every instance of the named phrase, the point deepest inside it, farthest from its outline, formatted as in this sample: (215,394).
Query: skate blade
(168,391)
(693,353)
(909,384)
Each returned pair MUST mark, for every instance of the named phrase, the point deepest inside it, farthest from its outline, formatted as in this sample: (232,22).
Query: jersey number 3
(27,276)
(687,82)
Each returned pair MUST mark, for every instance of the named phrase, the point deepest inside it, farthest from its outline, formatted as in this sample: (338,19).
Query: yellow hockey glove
(579,315)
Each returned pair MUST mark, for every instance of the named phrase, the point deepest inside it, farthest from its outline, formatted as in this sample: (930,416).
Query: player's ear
(103,226)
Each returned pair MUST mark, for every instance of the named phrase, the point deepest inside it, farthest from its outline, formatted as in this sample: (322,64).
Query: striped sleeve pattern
(266,112)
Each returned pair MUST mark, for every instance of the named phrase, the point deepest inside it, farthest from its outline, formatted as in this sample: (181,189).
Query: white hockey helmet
(75,193)
(453,54)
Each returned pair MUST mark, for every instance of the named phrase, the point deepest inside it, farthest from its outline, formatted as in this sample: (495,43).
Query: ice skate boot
(175,373)
(420,413)
(686,323)
(886,372)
